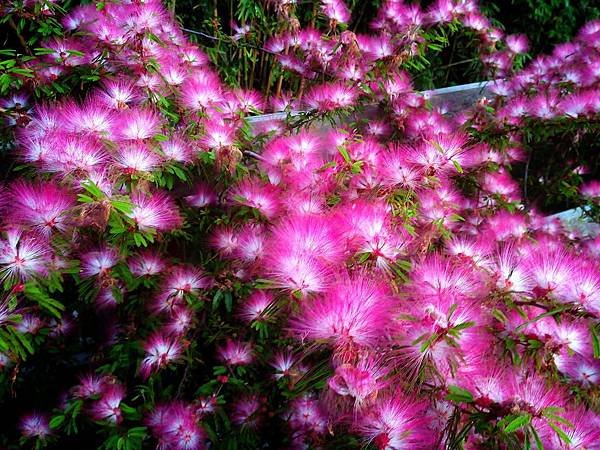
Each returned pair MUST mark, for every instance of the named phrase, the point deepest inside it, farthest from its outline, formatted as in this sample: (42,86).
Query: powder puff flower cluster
(380,278)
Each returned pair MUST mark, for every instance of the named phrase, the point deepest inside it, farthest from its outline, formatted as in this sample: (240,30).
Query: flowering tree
(364,272)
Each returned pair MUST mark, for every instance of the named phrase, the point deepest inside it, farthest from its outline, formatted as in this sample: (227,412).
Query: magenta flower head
(246,412)
(202,195)
(155,212)
(146,263)
(236,353)
(335,10)
(306,416)
(160,351)
(255,194)
(136,124)
(591,190)
(35,425)
(136,158)
(331,96)
(361,382)
(42,206)
(107,407)
(24,255)
(517,43)
(396,422)
(98,262)
(311,235)
(255,306)
(175,425)
(354,312)
(91,385)
(119,94)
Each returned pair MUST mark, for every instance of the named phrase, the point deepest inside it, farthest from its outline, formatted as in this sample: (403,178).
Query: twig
(22,41)
(525,178)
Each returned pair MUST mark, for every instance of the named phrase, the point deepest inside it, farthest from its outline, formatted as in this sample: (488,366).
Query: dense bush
(365,271)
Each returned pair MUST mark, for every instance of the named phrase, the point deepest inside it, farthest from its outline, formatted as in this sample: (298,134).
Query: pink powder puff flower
(250,243)
(77,155)
(439,277)
(180,320)
(361,381)
(137,124)
(119,94)
(255,306)
(517,43)
(591,189)
(29,324)
(283,362)
(202,195)
(240,31)
(583,288)
(397,84)
(533,394)
(335,10)
(486,381)
(107,407)
(218,134)
(550,269)
(306,416)
(90,118)
(42,205)
(396,171)
(199,94)
(137,157)
(297,272)
(583,434)
(501,183)
(255,194)
(35,425)
(246,412)
(576,105)
(331,96)
(504,225)
(225,240)
(235,353)
(160,351)
(90,385)
(155,211)
(184,280)
(206,405)
(249,102)
(544,105)
(146,263)
(376,47)
(355,311)
(510,271)
(175,425)
(309,235)
(581,369)
(441,11)
(23,256)
(98,262)
(177,149)
(396,422)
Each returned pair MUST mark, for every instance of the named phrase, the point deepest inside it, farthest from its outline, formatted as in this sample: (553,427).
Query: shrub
(362,270)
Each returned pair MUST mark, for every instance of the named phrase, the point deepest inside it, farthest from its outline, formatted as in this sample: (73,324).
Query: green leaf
(458,167)
(561,433)
(595,341)
(93,189)
(459,395)
(536,436)
(344,153)
(517,422)
(57,421)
